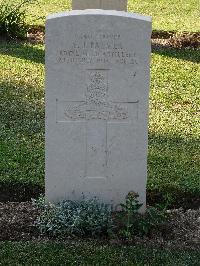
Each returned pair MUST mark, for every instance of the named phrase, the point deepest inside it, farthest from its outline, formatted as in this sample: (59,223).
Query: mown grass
(88,253)
(167,15)
(22,115)
(174,130)
(173,161)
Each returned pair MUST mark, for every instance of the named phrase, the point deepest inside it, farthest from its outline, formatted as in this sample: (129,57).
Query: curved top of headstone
(99,12)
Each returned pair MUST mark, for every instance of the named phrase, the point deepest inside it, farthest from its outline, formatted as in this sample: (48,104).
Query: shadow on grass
(23,50)
(192,55)
(21,141)
(22,108)
(173,162)
(173,171)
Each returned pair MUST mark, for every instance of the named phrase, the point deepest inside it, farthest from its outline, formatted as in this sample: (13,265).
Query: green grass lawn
(88,253)
(174,144)
(174,128)
(22,122)
(168,15)
(173,161)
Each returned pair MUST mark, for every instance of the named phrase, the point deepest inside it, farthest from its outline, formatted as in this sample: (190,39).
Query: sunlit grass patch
(22,109)
(167,15)
(173,161)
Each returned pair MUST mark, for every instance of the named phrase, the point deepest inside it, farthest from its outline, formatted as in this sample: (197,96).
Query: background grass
(22,119)
(174,130)
(173,161)
(168,15)
(88,253)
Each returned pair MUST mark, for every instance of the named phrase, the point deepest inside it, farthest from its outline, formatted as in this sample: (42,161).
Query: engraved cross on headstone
(97,111)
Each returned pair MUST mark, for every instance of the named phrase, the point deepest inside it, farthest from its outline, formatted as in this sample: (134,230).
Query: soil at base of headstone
(182,228)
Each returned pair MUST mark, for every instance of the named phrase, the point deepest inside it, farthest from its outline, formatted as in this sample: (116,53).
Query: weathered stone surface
(97,90)
(120,5)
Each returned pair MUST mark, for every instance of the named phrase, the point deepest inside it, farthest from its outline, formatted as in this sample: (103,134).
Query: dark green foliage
(12,18)
(128,214)
(133,223)
(152,219)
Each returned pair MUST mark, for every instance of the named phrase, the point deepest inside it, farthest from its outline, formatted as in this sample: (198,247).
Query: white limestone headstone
(120,5)
(97,91)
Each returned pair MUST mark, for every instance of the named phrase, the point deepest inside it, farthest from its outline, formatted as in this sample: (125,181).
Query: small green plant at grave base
(134,223)
(91,218)
(152,219)
(84,218)
(40,202)
(12,18)
(128,214)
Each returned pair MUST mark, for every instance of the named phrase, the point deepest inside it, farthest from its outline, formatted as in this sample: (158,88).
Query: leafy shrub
(132,222)
(75,218)
(129,214)
(152,219)
(88,218)
(12,18)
